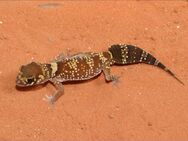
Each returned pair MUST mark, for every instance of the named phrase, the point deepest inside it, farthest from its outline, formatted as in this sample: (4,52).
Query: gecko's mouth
(22,83)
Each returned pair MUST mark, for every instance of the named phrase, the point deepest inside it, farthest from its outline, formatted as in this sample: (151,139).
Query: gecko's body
(83,66)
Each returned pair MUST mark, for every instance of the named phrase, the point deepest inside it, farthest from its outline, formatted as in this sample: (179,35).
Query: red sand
(147,103)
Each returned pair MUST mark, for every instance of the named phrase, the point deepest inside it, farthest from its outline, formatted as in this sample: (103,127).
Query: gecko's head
(30,74)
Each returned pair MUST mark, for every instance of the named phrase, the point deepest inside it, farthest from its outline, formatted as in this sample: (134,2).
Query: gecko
(84,66)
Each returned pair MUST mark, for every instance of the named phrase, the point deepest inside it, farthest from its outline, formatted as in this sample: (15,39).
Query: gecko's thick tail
(129,54)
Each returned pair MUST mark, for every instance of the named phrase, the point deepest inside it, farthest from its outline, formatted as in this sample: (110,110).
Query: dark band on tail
(129,54)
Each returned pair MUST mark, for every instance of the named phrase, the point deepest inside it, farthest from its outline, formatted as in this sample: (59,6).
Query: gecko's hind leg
(60,91)
(108,76)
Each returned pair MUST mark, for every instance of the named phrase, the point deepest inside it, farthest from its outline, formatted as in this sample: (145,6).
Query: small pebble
(110,116)
(139,93)
(177,26)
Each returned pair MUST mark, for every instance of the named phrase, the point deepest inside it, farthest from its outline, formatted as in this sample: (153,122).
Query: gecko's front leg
(62,56)
(60,91)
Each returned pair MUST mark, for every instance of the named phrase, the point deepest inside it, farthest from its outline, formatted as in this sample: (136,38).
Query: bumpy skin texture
(83,66)
(129,54)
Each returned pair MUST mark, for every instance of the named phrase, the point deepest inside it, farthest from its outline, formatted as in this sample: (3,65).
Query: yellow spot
(41,77)
(73,64)
(54,67)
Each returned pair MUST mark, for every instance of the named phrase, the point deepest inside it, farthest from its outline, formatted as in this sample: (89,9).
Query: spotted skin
(77,67)
(83,66)
(129,54)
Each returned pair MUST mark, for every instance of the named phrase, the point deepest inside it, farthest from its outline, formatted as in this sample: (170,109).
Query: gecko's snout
(23,81)
(19,82)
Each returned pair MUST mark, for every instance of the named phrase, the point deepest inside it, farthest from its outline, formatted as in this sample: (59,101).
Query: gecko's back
(81,66)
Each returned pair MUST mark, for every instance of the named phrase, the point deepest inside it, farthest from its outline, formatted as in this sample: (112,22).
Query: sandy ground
(147,103)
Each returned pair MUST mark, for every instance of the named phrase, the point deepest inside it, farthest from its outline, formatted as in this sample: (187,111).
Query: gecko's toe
(115,79)
(49,99)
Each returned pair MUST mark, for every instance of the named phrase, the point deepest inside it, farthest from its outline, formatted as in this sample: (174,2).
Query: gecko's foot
(60,57)
(63,56)
(50,99)
(112,78)
(115,79)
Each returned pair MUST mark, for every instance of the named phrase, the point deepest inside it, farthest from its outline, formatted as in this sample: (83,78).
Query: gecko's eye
(30,80)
